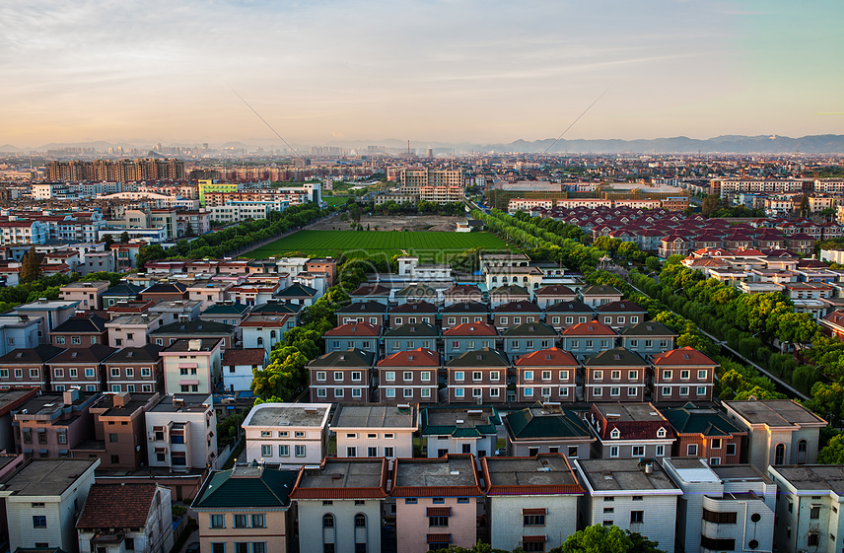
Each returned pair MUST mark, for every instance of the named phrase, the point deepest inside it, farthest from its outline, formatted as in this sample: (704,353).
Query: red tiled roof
(551,357)
(593,328)
(471,329)
(355,329)
(117,506)
(418,357)
(682,356)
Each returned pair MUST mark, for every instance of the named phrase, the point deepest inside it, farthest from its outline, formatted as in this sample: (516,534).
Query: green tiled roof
(223,490)
(193,327)
(483,427)
(693,420)
(415,329)
(647,328)
(480,358)
(297,290)
(617,357)
(532,423)
(530,329)
(225,309)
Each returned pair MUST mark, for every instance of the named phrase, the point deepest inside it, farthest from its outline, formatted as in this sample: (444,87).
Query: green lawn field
(427,245)
(336,200)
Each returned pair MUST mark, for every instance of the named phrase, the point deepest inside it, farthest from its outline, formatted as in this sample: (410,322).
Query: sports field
(427,245)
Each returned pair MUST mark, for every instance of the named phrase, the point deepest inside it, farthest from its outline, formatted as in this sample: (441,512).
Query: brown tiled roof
(593,328)
(551,357)
(117,506)
(249,356)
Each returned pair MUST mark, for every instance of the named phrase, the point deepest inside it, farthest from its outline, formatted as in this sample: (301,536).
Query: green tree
(675,259)
(284,375)
(124,237)
(30,266)
(108,241)
(606,539)
(833,453)
(711,204)
(189,230)
(652,263)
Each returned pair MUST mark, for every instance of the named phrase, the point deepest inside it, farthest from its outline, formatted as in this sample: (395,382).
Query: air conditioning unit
(151,436)
(480,400)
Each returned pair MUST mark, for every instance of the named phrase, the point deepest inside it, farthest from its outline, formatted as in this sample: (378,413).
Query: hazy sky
(323,71)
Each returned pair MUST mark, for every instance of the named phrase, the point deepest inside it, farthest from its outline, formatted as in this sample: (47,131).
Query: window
(328,521)
(284,451)
(351,452)
(637,517)
(410,501)
(597,375)
(691,450)
(779,454)
(813,540)
(390,392)
(458,376)
(390,376)
(360,519)
(338,376)
(218,521)
(638,451)
(266,451)
(241,521)
(18,373)
(494,376)
(719,518)
(615,375)
(320,376)
(258,521)
(112,438)
(356,376)
(33,373)
(632,375)
(356,392)
(731,449)
(614,451)
(615,391)
(388,452)
(437,521)
(458,392)
(39,521)
(300,451)
(322,392)
(338,392)
(528,375)
(534,520)
(241,547)
(701,375)
(75,340)
(684,390)
(477,375)
(564,375)
(815,512)
(425,376)
(89,373)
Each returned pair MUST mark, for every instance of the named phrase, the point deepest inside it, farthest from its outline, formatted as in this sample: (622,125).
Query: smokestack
(408,147)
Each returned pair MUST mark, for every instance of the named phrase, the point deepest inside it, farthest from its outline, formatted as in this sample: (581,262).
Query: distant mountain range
(727,144)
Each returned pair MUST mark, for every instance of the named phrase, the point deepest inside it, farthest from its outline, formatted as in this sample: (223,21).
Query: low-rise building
(647,338)
(27,367)
(478,376)
(409,337)
(340,502)
(50,425)
(527,338)
(728,508)
(341,376)
(683,374)
(238,365)
(138,369)
(261,330)
(131,330)
(465,337)
(363,336)
(531,503)
(50,314)
(445,491)
(615,375)
(287,434)
(515,313)
(169,334)
(89,294)
(409,377)
(546,375)
(412,312)
(246,508)
(588,338)
(706,433)
(374,430)
(547,428)
(595,296)
(568,313)
(182,433)
(460,430)
(126,517)
(370,311)
(82,368)
(43,499)
(80,331)
(780,431)
(618,314)
(634,495)
(630,431)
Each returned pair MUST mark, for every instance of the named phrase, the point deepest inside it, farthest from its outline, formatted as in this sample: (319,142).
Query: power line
(267,124)
(576,120)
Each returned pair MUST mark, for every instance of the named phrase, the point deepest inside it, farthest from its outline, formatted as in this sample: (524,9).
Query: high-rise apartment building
(432,185)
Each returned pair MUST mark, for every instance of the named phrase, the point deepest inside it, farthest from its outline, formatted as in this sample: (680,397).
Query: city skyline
(325,73)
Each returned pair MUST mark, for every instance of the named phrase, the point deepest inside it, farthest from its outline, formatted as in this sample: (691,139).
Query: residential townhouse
(729,508)
(596,296)
(181,433)
(43,499)
(372,312)
(527,338)
(630,431)
(409,377)
(228,313)
(462,293)
(17,332)
(119,439)
(246,508)
(409,337)
(683,374)
(705,433)
(135,369)
(50,425)
(341,376)
(547,428)
(169,334)
(615,375)
(165,291)
(238,367)
(131,330)
(445,491)
(370,292)
(549,374)
(450,430)
(375,430)
(27,367)
(466,337)
(363,336)
(565,314)
(176,311)
(585,339)
(416,293)
(515,313)
(261,330)
(128,517)
(807,510)
(780,431)
(412,312)
(478,376)
(82,368)
(89,294)
(325,265)
(299,294)
(192,366)
(647,338)
(547,296)
(464,312)
(133,307)
(342,498)
(208,292)
(833,324)
(80,331)
(634,495)
(49,314)
(531,503)
(618,314)
(502,295)
(287,434)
